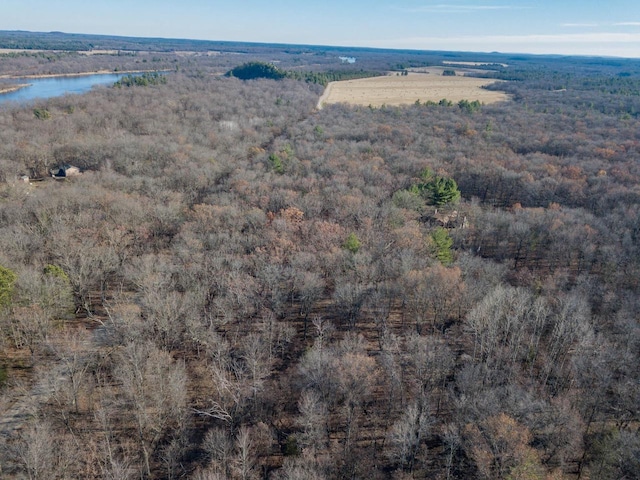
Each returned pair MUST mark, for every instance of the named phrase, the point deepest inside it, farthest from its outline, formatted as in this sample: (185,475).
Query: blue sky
(583,27)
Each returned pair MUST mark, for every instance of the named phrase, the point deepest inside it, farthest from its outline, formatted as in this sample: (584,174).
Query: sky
(570,27)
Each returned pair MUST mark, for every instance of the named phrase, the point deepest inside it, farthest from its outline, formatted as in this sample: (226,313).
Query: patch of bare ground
(394,89)
(12,88)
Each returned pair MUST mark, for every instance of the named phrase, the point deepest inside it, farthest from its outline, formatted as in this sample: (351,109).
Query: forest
(241,286)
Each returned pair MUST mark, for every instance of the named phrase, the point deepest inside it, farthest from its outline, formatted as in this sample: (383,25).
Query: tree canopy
(254,70)
(436,190)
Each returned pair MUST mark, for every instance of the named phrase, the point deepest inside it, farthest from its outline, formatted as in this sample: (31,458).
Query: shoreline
(14,88)
(78,74)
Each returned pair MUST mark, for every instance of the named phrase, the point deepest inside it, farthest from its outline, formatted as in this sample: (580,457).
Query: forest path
(68,350)
(325,95)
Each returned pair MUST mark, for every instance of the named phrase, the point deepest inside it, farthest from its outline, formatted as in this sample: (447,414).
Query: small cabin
(64,171)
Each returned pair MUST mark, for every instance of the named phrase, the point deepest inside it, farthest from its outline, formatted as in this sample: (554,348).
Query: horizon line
(313,45)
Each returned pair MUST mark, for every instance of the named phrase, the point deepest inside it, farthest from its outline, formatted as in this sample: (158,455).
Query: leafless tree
(154,387)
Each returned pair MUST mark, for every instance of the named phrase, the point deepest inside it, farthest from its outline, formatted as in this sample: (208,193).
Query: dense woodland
(240,286)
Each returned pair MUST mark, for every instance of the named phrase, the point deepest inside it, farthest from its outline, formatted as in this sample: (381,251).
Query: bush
(352,243)
(276,163)
(56,271)
(408,199)
(442,245)
(469,107)
(42,113)
(7,286)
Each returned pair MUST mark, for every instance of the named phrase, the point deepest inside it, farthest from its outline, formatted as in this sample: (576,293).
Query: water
(41,88)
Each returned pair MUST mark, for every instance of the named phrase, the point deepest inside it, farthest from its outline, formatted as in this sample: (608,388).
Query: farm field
(395,89)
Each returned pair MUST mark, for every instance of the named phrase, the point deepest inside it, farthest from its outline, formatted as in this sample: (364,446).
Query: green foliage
(253,70)
(442,245)
(441,191)
(324,78)
(433,190)
(352,243)
(57,272)
(466,105)
(408,199)
(469,107)
(436,190)
(144,80)
(427,175)
(291,446)
(276,163)
(287,150)
(42,113)
(7,286)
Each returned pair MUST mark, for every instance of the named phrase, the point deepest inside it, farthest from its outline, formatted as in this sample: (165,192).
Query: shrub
(276,163)
(7,286)
(352,243)
(42,113)
(469,107)
(56,271)
(442,245)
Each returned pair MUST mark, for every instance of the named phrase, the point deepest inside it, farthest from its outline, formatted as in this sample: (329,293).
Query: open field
(403,90)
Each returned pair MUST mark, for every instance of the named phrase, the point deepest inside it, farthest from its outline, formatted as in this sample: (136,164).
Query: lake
(41,88)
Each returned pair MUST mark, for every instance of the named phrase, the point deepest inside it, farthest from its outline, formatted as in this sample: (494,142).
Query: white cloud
(627,24)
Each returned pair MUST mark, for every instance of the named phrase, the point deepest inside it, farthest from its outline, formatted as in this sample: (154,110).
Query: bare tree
(154,387)
(37,455)
(219,447)
(313,421)
(408,433)
(245,458)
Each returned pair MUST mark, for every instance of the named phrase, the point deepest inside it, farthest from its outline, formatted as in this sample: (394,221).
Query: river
(42,88)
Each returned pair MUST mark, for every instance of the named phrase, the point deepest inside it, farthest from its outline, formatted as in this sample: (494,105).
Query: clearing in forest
(394,89)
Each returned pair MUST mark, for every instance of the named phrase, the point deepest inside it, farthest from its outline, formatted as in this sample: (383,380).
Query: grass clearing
(396,89)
